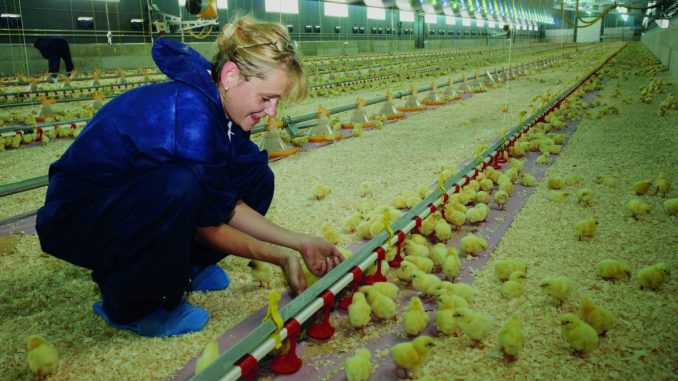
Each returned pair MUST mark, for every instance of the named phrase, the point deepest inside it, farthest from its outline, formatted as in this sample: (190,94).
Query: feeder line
(306,304)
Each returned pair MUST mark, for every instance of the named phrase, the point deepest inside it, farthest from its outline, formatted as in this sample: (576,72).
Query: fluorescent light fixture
(280,6)
(222,4)
(663,23)
(10,15)
(85,18)
(621,10)
(406,16)
(450,20)
(404,5)
(465,21)
(491,24)
(480,22)
(374,3)
(430,18)
(137,21)
(336,9)
(428,8)
(376,13)
(448,10)
(182,3)
(625,17)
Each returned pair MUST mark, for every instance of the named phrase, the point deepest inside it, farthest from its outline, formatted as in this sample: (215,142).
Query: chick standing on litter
(320,191)
(613,269)
(586,228)
(503,268)
(330,234)
(472,244)
(42,357)
(513,288)
(462,290)
(501,198)
(585,195)
(262,272)
(415,317)
(663,184)
(474,324)
(654,276)
(383,307)
(386,288)
(558,287)
(581,336)
(511,339)
(412,355)
(637,207)
(359,367)
(641,187)
(597,317)
(359,312)
(451,267)
(208,356)
(671,206)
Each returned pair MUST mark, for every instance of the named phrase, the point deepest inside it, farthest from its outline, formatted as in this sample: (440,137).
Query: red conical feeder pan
(378,276)
(289,363)
(322,131)
(389,110)
(397,260)
(412,103)
(359,116)
(348,299)
(248,367)
(323,330)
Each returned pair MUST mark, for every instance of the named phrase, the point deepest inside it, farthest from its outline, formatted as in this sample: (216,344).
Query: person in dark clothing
(54,49)
(164,182)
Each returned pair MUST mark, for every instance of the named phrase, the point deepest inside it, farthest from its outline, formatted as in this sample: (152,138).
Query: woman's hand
(294,273)
(320,256)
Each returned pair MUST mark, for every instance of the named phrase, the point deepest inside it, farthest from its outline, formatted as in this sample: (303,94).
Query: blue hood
(183,64)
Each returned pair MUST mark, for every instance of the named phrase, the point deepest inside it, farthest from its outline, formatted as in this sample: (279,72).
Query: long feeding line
(247,365)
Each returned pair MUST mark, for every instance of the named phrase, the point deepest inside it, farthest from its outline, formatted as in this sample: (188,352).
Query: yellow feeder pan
(273,143)
(322,131)
(433,98)
(359,116)
(389,110)
(412,104)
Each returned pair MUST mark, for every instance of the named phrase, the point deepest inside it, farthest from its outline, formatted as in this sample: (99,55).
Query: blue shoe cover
(184,318)
(210,278)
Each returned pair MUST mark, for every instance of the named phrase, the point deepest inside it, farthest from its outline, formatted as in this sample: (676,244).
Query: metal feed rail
(241,359)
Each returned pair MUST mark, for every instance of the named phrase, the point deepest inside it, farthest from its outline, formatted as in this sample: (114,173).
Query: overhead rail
(241,360)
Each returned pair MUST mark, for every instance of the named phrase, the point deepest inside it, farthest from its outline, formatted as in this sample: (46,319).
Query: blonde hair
(257,47)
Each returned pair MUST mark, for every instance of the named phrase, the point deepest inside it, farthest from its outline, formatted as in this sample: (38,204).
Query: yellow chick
(637,207)
(455,217)
(613,269)
(445,323)
(654,276)
(482,197)
(345,253)
(42,357)
(446,300)
(405,271)
(528,180)
(556,182)
(581,336)
(351,222)
(584,195)
(671,206)
(556,195)
(415,249)
(385,288)
(663,184)
(415,317)
(503,268)
(366,190)
(412,355)
(474,324)
(462,290)
(641,187)
(543,158)
(359,312)
(208,356)
(330,234)
(359,367)
(383,307)
(310,277)
(443,230)
(428,224)
(422,263)
(558,287)
(475,215)
(513,288)
(586,228)
(451,267)
(425,283)
(438,254)
(486,185)
(385,268)
(597,317)
(420,239)
(511,339)
(472,244)
(320,191)
(501,198)
(262,272)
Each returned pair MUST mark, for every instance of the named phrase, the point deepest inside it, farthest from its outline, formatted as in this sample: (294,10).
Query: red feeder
(467,180)
(395,263)
(248,367)
(432,207)
(457,188)
(323,330)
(417,224)
(377,277)
(348,299)
(40,132)
(289,362)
